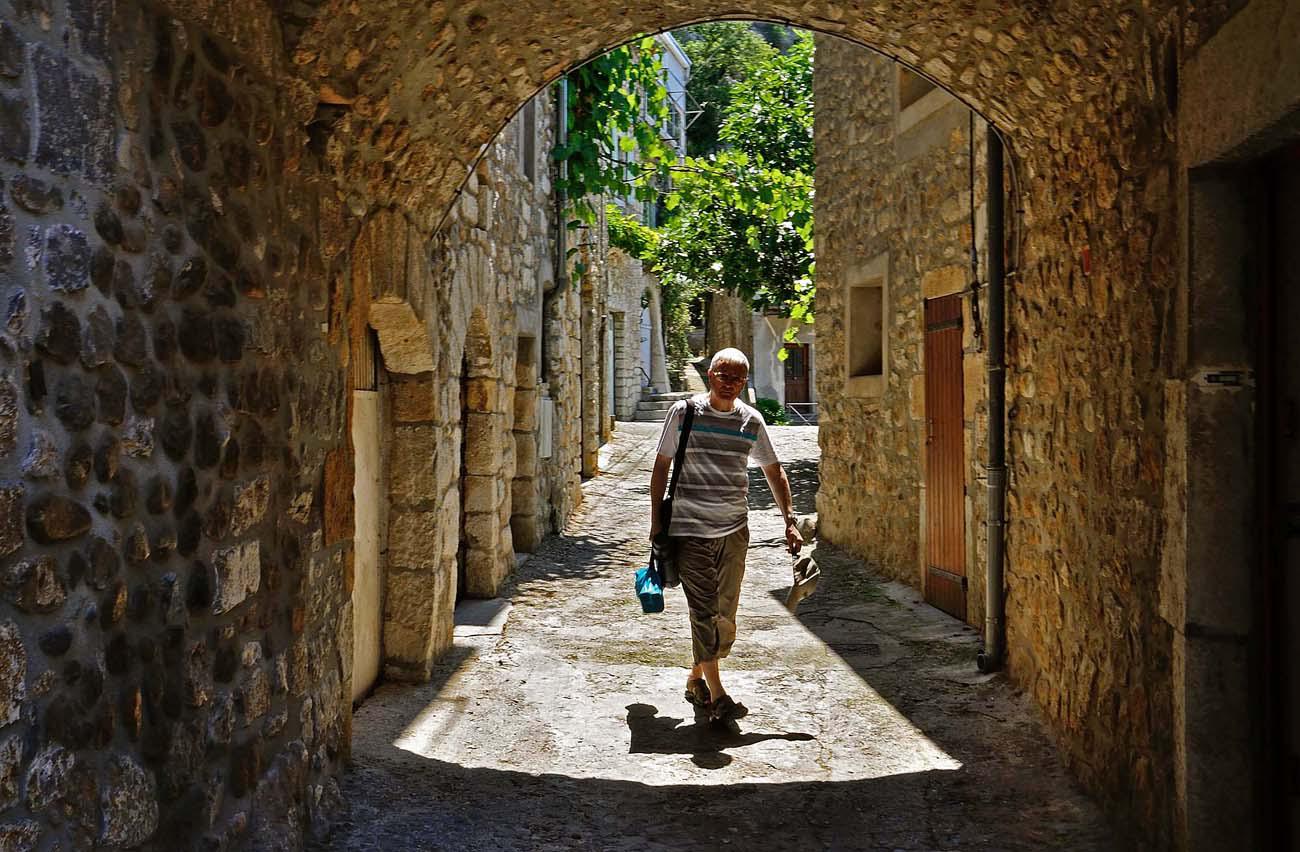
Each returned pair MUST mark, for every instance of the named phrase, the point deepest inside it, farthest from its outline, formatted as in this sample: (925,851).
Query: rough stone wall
(1090,322)
(629,282)
(175,563)
(728,322)
(258,144)
(493,260)
(894,193)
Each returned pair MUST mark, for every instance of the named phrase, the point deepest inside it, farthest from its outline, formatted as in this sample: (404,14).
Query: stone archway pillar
(420,589)
(658,355)
(389,271)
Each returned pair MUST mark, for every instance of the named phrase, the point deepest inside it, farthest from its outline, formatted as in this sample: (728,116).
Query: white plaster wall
(367,598)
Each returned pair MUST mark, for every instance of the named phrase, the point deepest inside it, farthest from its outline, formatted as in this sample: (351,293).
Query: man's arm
(658,484)
(780,485)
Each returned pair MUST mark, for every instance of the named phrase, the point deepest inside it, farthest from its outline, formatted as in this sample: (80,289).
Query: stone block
(483,444)
(51,519)
(8,416)
(482,493)
(526,532)
(129,802)
(411,539)
(525,409)
(525,452)
(916,397)
(413,401)
(482,531)
(76,118)
(523,496)
(481,395)
(975,377)
(403,338)
(483,574)
(11,758)
(15,128)
(251,502)
(411,464)
(238,574)
(11,53)
(35,195)
(13,673)
(34,585)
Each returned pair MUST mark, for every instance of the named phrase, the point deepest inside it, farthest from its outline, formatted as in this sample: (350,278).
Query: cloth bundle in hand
(804,582)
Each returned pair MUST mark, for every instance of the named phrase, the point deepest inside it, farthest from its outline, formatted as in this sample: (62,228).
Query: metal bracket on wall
(1216,378)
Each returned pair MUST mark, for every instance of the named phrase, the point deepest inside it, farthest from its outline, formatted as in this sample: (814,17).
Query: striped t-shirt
(713,488)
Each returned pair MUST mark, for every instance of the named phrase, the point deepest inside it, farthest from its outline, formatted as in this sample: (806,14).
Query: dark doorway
(1277,594)
(796,372)
(945,481)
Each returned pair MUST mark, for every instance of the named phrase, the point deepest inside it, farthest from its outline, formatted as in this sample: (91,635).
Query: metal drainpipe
(990,658)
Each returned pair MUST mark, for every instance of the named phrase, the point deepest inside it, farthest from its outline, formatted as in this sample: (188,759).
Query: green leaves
(617,107)
(742,215)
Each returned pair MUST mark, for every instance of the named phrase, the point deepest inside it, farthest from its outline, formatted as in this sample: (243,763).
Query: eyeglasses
(730,378)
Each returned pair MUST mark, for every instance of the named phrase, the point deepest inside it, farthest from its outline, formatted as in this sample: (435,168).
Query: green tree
(722,54)
(742,217)
(617,109)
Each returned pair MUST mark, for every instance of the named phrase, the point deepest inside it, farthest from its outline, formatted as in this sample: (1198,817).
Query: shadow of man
(706,742)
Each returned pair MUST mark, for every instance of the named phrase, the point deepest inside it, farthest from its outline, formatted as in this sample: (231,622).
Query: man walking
(710,520)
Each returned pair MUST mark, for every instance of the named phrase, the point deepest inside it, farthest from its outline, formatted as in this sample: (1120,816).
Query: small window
(866,324)
(866,329)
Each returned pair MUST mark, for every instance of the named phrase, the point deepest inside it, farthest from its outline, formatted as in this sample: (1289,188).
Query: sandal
(697,692)
(726,709)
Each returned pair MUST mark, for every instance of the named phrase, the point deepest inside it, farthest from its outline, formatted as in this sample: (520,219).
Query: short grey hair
(729,356)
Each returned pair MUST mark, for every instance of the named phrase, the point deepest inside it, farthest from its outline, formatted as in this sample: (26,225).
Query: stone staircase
(653,408)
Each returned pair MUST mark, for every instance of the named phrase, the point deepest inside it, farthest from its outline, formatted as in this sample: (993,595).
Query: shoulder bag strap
(666,507)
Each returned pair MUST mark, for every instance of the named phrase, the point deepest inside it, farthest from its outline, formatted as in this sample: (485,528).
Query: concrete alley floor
(560,724)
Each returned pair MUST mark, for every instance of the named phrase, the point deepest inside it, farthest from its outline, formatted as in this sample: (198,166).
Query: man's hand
(655,525)
(793,539)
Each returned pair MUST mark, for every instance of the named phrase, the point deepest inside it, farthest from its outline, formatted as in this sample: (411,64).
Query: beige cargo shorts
(711,570)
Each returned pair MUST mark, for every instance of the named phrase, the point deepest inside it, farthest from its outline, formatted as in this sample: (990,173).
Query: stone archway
(190,255)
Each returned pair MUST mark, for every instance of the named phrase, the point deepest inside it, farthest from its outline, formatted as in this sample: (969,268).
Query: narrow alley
(557,720)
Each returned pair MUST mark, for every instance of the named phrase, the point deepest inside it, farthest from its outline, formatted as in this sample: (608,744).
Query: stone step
(654,405)
(672,396)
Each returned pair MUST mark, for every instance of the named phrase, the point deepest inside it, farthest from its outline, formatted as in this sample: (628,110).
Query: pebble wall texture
(181,196)
(174,587)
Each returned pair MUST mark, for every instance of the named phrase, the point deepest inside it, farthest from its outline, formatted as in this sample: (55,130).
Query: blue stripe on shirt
(716,431)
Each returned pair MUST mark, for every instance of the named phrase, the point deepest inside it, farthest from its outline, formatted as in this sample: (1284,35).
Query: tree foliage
(618,108)
(723,54)
(742,217)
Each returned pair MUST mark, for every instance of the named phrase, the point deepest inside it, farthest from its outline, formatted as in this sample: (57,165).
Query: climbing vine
(617,108)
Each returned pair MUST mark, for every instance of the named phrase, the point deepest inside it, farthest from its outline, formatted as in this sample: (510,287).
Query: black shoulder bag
(662,547)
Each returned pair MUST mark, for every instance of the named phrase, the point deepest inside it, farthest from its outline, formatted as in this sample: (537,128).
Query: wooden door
(796,372)
(945,476)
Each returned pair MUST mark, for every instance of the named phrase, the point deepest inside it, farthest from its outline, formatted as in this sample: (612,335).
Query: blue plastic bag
(650,588)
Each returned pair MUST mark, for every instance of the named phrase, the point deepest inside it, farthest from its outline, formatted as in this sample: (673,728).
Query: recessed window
(911,88)
(866,329)
(866,322)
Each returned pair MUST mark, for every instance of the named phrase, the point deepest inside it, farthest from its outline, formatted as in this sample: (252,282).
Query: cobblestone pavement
(869,726)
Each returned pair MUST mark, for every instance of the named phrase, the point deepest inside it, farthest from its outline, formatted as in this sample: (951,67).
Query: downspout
(990,658)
